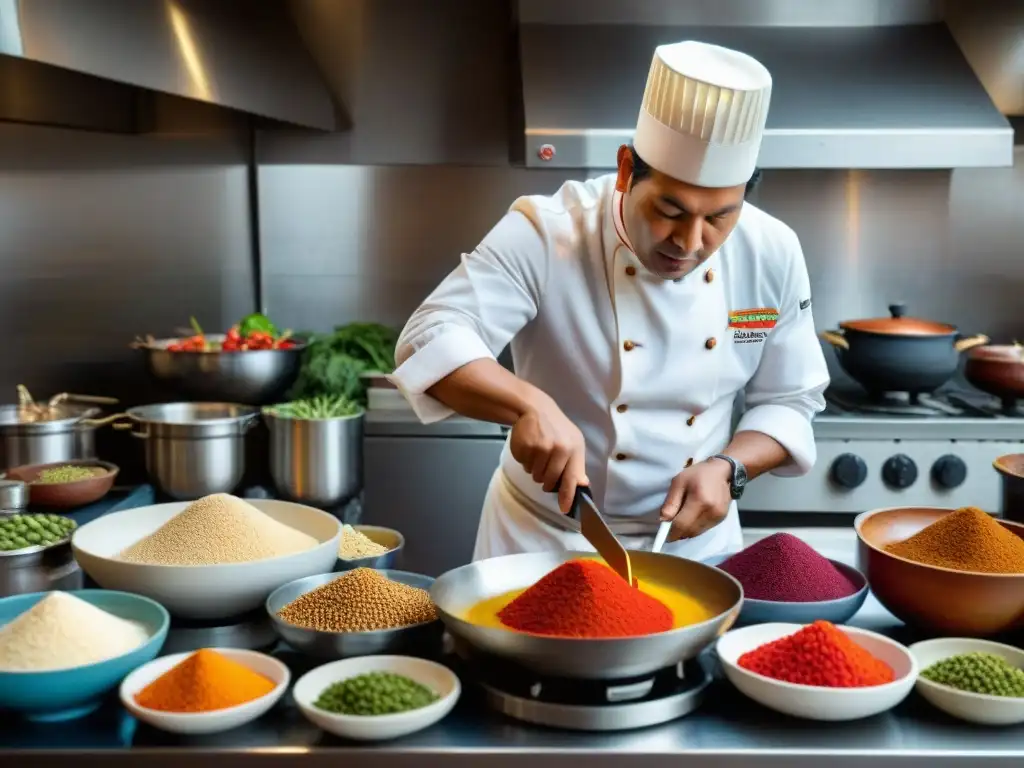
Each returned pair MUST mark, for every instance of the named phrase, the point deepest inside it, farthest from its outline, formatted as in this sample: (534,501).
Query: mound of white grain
(63,631)
(218,529)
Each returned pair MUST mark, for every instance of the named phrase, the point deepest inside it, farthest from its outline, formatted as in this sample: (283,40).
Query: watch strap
(737,481)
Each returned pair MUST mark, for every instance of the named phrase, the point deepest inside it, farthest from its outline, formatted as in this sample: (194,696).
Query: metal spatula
(596,531)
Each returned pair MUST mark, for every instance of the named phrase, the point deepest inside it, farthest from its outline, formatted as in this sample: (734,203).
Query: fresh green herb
(333,363)
(320,407)
(978,672)
(23,531)
(375,693)
(257,322)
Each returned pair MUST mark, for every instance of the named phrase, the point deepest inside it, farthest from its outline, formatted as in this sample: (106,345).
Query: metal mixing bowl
(257,377)
(414,639)
(598,659)
(387,537)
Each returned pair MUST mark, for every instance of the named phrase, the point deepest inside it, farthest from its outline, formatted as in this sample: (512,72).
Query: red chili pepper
(819,654)
(286,344)
(585,598)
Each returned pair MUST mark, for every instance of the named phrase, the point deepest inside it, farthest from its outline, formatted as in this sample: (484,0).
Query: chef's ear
(625,162)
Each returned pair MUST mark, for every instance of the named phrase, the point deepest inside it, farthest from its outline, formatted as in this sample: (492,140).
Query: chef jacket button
(710,343)
(689,462)
(631,271)
(709,275)
(620,457)
(622,408)
(689,421)
(678,280)
(628,345)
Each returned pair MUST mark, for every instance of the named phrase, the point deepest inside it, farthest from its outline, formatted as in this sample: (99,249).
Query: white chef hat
(703,114)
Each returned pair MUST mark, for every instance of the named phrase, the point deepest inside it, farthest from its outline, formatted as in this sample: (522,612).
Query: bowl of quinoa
(369,546)
(66,484)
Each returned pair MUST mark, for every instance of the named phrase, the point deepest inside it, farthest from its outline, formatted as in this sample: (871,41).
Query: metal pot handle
(89,423)
(970,342)
(124,426)
(836,339)
(248,422)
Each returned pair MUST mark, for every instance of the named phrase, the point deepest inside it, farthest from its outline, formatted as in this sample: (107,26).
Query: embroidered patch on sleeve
(763,317)
(805,303)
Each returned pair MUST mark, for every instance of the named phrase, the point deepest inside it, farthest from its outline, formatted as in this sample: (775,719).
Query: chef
(638,306)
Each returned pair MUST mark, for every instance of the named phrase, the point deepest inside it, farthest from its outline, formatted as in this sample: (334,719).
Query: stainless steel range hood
(246,56)
(842,97)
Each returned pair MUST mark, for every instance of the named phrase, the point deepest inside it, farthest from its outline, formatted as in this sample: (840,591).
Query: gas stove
(931,451)
(587,705)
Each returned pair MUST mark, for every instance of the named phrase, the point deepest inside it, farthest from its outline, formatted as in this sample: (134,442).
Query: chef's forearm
(486,390)
(758,452)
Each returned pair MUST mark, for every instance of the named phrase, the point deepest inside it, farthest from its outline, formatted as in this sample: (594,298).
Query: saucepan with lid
(900,353)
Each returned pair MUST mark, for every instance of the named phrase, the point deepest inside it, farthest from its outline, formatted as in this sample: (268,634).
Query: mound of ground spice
(964,540)
(819,654)
(204,682)
(784,569)
(585,598)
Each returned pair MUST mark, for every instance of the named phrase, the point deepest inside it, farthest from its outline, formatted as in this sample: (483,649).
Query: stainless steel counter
(728,731)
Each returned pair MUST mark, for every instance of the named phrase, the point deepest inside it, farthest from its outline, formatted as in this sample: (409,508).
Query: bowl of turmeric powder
(953,571)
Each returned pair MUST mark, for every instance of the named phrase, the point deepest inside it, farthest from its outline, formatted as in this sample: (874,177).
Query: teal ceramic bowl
(64,694)
(770,611)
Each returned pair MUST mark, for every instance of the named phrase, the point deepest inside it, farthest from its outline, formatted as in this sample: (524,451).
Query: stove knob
(848,471)
(949,471)
(899,471)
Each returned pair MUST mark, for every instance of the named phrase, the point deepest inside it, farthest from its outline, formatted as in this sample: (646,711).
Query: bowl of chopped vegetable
(374,698)
(252,364)
(316,449)
(974,680)
(66,484)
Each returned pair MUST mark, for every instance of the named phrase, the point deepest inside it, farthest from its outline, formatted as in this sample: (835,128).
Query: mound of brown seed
(362,600)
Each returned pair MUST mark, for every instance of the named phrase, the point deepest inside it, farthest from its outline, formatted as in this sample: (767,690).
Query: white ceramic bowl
(811,701)
(202,591)
(972,707)
(435,676)
(205,722)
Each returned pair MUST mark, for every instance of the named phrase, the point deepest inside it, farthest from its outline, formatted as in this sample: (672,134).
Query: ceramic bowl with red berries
(253,363)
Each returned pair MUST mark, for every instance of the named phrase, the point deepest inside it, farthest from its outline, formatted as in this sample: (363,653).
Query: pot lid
(899,324)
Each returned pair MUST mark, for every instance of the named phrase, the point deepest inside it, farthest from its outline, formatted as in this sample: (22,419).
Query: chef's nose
(689,234)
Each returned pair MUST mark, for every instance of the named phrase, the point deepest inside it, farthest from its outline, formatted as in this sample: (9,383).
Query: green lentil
(978,672)
(374,693)
(67,474)
(22,531)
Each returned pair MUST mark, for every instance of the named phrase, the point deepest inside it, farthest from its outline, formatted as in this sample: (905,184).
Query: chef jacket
(647,368)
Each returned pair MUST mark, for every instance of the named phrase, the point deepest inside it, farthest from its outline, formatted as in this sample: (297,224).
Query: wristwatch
(738,481)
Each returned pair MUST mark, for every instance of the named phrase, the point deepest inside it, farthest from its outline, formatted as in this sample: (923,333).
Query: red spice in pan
(585,598)
(784,569)
(819,654)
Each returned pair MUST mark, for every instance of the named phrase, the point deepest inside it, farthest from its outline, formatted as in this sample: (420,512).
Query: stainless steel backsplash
(355,242)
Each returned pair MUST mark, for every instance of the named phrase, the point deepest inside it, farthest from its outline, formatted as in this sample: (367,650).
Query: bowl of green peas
(66,484)
(24,534)
(376,698)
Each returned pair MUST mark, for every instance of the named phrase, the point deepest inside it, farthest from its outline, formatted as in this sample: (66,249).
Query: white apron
(508,526)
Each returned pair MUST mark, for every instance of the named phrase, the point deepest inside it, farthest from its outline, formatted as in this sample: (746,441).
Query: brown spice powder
(965,540)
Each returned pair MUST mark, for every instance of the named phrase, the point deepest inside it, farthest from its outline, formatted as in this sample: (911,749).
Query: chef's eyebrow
(669,200)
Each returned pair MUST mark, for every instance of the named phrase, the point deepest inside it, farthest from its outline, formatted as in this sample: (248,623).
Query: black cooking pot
(899,353)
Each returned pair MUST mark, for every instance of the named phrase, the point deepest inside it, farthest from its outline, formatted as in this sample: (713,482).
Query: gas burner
(252,632)
(590,705)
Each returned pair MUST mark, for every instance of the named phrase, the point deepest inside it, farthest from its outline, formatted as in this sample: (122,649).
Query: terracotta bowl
(66,495)
(937,599)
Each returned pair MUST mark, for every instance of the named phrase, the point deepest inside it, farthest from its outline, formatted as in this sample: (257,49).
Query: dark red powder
(784,569)
(586,598)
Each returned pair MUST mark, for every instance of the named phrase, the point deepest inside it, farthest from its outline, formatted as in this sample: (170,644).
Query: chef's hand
(698,499)
(551,448)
